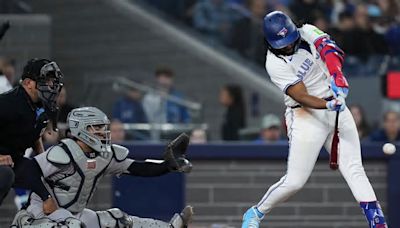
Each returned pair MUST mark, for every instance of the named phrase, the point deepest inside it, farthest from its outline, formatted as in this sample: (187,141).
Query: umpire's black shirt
(21,122)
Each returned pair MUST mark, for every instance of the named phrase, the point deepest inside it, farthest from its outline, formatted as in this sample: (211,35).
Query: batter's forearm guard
(333,57)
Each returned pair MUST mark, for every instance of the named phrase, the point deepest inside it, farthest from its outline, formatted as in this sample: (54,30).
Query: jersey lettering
(305,67)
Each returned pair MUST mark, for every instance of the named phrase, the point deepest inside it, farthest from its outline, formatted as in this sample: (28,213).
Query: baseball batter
(73,168)
(306,65)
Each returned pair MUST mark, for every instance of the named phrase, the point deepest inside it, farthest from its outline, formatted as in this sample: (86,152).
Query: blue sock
(259,214)
(373,213)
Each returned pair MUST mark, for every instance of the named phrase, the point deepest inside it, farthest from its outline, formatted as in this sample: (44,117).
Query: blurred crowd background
(363,28)
(368,32)
(161,67)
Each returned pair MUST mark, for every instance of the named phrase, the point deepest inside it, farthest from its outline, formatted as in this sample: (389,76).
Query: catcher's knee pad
(26,220)
(114,218)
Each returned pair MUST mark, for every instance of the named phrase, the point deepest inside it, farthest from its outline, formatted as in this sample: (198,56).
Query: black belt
(299,106)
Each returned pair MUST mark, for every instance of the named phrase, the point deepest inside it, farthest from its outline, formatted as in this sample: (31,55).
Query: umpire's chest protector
(83,182)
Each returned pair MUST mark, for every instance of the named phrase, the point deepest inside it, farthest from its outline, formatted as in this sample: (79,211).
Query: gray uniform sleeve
(119,167)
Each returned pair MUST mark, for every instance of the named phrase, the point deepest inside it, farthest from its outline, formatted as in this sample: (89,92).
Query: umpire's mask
(47,76)
(49,84)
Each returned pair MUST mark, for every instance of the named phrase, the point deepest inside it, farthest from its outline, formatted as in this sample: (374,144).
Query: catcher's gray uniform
(72,178)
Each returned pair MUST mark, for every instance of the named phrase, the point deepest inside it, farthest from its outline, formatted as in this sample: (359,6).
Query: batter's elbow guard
(326,46)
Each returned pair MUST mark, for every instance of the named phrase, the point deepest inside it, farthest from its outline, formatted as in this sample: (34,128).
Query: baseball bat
(333,159)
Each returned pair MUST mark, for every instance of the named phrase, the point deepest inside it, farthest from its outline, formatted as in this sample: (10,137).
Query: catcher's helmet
(81,119)
(279,30)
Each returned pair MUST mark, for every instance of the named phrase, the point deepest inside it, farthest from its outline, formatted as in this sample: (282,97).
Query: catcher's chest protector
(83,182)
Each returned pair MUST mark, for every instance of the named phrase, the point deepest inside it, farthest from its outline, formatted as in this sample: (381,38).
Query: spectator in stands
(305,10)
(64,105)
(117,131)
(355,35)
(280,5)
(321,22)
(365,30)
(231,97)
(188,7)
(270,129)
(368,42)
(198,136)
(360,119)
(340,7)
(247,35)
(379,21)
(129,107)
(7,74)
(213,17)
(390,9)
(392,39)
(156,104)
(344,33)
(391,129)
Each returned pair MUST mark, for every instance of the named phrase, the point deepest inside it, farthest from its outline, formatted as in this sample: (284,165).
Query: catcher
(72,169)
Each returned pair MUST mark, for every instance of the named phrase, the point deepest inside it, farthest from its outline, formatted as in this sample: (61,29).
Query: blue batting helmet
(279,30)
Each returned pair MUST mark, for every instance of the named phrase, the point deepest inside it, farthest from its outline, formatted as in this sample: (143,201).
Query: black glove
(175,154)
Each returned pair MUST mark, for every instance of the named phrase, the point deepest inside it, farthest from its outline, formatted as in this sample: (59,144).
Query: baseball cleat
(187,215)
(374,214)
(183,219)
(252,218)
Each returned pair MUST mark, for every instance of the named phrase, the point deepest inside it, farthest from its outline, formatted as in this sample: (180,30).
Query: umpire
(24,114)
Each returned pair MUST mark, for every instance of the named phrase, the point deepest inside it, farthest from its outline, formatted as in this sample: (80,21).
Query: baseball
(389,148)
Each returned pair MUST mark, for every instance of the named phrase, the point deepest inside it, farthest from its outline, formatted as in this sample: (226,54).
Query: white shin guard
(117,218)
(24,219)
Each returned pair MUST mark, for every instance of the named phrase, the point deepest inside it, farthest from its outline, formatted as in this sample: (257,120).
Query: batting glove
(339,90)
(337,104)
